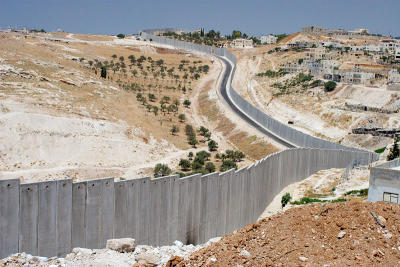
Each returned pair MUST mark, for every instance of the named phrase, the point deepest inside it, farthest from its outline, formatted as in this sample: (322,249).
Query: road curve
(240,113)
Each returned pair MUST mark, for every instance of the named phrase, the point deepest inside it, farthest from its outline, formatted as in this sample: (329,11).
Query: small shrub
(380,150)
(307,200)
(227,165)
(330,86)
(184,164)
(210,167)
(212,145)
(161,170)
(285,199)
(359,193)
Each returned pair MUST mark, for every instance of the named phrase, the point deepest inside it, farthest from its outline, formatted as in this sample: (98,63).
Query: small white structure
(269,39)
(393,76)
(242,43)
(384,182)
(397,54)
(359,32)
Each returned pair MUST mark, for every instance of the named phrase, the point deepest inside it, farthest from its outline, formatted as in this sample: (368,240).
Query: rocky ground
(141,256)
(340,234)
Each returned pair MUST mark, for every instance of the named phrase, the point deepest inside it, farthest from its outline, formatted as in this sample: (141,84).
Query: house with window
(384,182)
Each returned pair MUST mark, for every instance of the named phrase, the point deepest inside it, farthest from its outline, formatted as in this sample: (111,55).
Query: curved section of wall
(283,131)
(50,218)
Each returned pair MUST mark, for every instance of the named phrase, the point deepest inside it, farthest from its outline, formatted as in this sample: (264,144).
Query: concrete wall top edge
(210,174)
(10,180)
(228,171)
(191,176)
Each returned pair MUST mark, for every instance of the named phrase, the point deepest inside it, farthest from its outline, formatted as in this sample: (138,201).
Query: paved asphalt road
(243,115)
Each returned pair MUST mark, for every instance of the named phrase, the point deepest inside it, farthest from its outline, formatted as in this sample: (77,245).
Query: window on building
(391,197)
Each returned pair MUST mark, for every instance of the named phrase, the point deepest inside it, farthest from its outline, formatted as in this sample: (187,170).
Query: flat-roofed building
(269,39)
(242,43)
(313,30)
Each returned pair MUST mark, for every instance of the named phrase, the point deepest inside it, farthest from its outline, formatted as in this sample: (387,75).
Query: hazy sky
(253,17)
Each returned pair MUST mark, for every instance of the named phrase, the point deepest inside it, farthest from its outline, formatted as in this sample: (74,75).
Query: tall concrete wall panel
(28,218)
(144,211)
(222,194)
(107,221)
(233,219)
(47,218)
(173,213)
(121,209)
(78,227)
(212,206)
(64,217)
(134,216)
(9,216)
(194,233)
(155,211)
(99,206)
(204,209)
(92,215)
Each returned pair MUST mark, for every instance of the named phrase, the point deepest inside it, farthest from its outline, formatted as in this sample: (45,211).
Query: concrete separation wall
(50,218)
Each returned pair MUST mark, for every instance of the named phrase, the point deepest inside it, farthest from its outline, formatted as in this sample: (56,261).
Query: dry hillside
(60,118)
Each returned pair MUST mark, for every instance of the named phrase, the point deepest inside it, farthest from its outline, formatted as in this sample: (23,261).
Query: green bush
(380,150)
(161,170)
(184,164)
(307,200)
(204,155)
(359,193)
(227,165)
(121,36)
(210,167)
(330,86)
(212,145)
(285,199)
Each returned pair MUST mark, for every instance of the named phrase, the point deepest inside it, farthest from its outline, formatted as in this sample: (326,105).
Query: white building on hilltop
(242,43)
(269,39)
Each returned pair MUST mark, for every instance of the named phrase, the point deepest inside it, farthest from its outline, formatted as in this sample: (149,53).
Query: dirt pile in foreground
(337,234)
